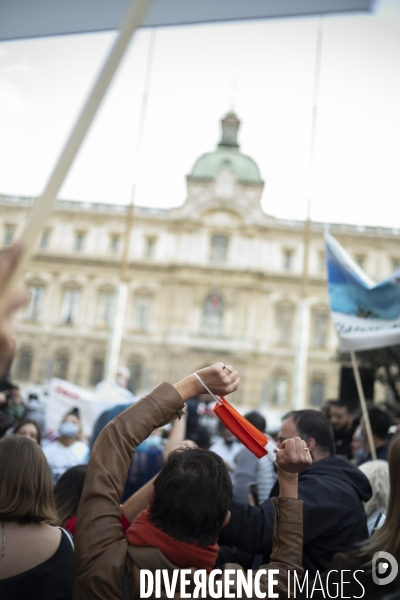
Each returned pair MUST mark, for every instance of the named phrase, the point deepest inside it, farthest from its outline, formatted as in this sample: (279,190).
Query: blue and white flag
(366,314)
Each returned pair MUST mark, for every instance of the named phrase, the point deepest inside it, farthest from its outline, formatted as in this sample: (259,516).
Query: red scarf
(144,534)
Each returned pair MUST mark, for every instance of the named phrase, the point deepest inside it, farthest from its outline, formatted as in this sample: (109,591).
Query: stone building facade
(214,279)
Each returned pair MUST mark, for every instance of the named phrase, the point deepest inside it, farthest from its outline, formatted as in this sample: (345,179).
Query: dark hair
(29,422)
(74,411)
(26,490)
(312,423)
(191,496)
(68,491)
(380,422)
(256,419)
(349,404)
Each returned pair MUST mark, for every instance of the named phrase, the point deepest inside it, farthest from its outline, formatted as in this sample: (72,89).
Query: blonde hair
(26,490)
(377,472)
(387,538)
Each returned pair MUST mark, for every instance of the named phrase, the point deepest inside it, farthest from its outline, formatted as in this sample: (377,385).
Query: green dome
(209,164)
(227,154)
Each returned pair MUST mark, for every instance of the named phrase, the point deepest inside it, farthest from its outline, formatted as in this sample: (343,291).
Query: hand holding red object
(250,436)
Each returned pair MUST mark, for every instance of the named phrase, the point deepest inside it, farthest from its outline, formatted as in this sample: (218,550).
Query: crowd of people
(155,488)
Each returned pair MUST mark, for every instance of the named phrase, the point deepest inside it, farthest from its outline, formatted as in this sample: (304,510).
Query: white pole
(117,329)
(44,204)
(363,405)
(303,320)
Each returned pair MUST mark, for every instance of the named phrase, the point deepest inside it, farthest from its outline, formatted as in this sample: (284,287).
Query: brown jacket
(101,549)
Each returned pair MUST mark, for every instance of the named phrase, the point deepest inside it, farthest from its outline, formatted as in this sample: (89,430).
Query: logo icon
(384,564)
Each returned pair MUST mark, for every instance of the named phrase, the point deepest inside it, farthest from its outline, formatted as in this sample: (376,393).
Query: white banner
(64,396)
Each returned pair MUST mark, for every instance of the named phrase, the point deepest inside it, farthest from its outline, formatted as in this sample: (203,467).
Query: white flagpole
(303,319)
(117,330)
(363,404)
(44,204)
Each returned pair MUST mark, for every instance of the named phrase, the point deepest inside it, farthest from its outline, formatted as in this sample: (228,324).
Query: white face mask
(68,429)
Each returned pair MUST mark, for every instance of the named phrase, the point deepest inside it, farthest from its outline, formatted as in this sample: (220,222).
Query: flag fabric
(366,314)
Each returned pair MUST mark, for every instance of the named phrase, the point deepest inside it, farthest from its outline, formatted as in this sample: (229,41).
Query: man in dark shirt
(332,490)
(344,424)
(380,423)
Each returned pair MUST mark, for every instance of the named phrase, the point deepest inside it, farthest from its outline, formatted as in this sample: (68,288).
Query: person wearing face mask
(67,451)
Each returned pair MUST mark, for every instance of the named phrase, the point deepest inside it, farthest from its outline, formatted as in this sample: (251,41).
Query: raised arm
(99,538)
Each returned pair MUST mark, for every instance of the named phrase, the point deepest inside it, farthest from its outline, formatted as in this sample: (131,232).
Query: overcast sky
(263,70)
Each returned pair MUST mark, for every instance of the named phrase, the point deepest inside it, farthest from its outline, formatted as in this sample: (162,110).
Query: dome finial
(230,125)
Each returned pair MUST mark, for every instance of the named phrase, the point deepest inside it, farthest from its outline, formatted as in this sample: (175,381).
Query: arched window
(35,302)
(280,389)
(213,312)
(135,366)
(319,334)
(69,308)
(61,364)
(143,303)
(219,248)
(284,323)
(24,364)
(105,309)
(97,371)
(317,390)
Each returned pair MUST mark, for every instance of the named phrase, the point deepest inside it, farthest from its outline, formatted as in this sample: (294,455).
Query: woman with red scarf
(188,502)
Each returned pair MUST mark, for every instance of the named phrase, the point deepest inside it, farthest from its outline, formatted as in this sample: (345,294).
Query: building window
(150,249)
(142,312)
(213,312)
(115,243)
(69,307)
(24,365)
(45,240)
(35,303)
(97,372)
(79,241)
(288,260)
(320,329)
(360,260)
(317,392)
(322,262)
(135,381)
(9,234)
(280,390)
(61,364)
(219,248)
(395,264)
(284,324)
(105,310)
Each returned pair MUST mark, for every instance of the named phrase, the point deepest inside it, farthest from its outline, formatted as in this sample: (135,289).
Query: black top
(51,580)
(332,490)
(343,441)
